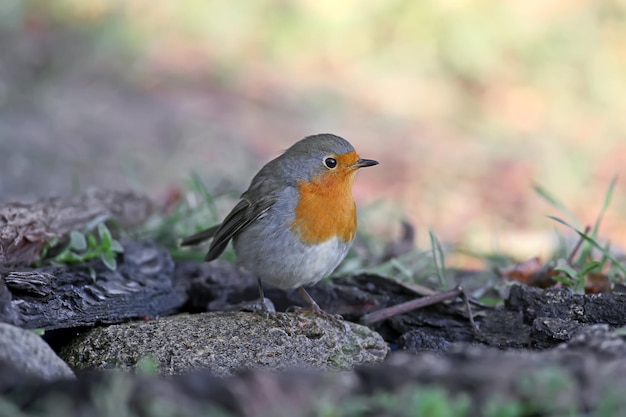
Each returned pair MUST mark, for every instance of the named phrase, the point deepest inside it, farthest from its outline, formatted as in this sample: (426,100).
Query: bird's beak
(362,163)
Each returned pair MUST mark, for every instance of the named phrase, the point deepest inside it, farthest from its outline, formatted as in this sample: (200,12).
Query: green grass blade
(590,267)
(439,258)
(408,274)
(607,248)
(553,201)
(605,205)
(593,243)
(200,188)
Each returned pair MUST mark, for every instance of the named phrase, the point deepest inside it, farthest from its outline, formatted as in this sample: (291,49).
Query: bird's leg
(272,314)
(264,309)
(314,306)
(316,309)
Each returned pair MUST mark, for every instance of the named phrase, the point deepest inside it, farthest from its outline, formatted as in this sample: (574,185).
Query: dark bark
(57,297)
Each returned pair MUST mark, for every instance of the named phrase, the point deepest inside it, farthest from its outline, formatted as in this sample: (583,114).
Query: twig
(388,312)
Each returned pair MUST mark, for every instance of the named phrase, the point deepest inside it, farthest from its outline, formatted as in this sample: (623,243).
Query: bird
(296,221)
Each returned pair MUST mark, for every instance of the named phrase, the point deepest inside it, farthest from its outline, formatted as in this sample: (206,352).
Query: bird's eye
(330,163)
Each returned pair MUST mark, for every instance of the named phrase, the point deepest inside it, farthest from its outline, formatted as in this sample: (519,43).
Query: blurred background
(465,103)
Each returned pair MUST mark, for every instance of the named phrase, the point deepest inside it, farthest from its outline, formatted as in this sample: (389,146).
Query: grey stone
(28,352)
(227,342)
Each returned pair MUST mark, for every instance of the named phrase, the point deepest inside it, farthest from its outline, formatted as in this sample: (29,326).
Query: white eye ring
(330,163)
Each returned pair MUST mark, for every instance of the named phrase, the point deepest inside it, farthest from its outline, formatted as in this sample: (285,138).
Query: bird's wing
(238,219)
(253,204)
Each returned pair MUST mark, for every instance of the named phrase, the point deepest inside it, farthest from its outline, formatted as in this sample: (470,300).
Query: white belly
(291,264)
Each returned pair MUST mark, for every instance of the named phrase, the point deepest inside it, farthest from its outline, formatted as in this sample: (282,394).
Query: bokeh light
(466,103)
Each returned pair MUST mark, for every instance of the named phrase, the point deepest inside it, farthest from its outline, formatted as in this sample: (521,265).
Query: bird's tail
(199,237)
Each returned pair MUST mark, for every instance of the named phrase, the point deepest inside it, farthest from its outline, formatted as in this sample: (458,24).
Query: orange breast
(326,207)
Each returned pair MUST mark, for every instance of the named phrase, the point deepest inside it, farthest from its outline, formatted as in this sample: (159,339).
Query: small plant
(95,243)
(188,210)
(575,270)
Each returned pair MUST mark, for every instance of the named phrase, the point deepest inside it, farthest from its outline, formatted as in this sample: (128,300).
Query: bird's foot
(335,319)
(317,310)
(262,306)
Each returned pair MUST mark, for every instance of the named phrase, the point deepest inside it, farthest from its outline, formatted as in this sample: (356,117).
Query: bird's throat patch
(326,208)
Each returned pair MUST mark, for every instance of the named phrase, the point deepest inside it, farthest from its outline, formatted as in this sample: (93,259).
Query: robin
(297,220)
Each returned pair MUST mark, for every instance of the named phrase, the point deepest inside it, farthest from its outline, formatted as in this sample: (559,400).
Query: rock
(29,353)
(227,342)
(586,376)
